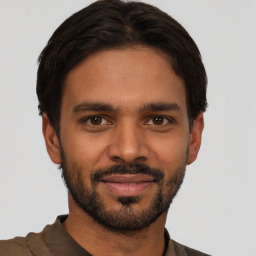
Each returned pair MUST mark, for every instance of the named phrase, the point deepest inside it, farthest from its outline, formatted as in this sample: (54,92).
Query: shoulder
(193,252)
(34,244)
(187,250)
(178,249)
(15,246)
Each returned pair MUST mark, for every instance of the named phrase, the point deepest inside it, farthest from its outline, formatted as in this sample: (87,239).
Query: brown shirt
(55,241)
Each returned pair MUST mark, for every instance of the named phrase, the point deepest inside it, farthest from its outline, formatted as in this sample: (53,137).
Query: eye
(95,121)
(158,120)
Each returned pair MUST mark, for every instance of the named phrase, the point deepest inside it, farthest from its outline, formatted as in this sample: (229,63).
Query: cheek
(170,152)
(83,149)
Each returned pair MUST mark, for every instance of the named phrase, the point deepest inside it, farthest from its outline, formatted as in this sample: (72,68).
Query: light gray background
(215,209)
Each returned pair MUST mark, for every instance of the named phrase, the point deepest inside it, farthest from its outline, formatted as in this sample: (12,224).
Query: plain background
(215,208)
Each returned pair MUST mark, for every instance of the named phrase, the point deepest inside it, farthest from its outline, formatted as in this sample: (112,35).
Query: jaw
(78,220)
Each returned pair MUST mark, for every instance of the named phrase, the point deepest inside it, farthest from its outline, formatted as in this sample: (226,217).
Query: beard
(127,218)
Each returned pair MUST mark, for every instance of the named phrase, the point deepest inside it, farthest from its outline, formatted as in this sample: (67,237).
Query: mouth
(128,184)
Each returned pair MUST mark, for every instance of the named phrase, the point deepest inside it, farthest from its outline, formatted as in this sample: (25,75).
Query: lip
(128,184)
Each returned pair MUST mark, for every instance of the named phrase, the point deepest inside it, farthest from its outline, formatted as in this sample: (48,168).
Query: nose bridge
(128,144)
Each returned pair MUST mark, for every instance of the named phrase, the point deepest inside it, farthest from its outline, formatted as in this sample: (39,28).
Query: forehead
(124,78)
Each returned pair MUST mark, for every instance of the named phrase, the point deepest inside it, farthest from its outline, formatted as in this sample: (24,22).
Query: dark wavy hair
(110,24)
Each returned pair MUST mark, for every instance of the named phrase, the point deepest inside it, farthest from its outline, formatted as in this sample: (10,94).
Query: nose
(128,145)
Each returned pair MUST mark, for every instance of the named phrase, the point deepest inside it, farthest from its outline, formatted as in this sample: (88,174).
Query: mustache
(137,168)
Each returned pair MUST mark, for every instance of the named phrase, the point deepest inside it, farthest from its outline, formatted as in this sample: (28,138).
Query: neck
(98,240)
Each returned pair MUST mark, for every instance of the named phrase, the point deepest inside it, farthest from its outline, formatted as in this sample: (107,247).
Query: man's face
(124,136)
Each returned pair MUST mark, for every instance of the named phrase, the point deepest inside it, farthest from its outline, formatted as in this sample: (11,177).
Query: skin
(127,134)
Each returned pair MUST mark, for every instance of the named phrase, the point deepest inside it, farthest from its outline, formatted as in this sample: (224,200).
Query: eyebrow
(160,106)
(91,106)
(103,107)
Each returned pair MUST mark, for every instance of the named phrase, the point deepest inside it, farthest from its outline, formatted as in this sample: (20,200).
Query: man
(122,91)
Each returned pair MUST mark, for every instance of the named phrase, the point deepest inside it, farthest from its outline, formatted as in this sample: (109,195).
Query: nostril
(117,159)
(141,159)
(120,160)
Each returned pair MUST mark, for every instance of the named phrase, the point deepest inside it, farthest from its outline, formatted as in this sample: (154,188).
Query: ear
(195,138)
(51,140)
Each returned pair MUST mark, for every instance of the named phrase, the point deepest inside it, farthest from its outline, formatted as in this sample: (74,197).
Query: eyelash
(88,118)
(166,120)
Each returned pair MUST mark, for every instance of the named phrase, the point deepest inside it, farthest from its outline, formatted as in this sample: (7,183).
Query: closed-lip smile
(128,184)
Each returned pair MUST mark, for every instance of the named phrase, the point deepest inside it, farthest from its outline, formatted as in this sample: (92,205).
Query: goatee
(127,218)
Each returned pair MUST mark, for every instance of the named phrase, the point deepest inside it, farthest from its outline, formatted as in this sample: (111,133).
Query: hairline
(123,46)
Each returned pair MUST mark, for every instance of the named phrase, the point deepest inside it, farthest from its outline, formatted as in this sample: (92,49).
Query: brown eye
(96,120)
(158,120)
